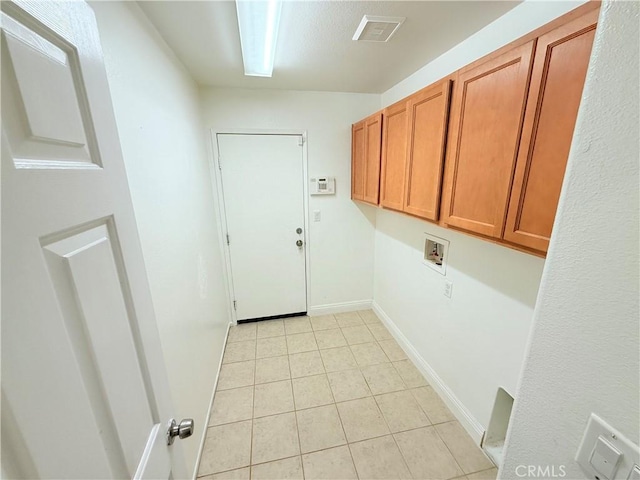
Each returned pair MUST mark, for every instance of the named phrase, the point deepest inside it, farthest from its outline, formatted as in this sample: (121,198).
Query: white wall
(583,353)
(341,244)
(517,22)
(474,342)
(157,111)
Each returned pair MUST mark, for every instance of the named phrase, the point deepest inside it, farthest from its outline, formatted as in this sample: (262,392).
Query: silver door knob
(299,243)
(182,430)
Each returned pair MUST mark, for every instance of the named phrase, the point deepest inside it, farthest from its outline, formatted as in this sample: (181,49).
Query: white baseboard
(466,419)
(338,307)
(215,386)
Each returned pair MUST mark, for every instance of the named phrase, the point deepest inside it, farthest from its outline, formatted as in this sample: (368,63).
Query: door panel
(394,156)
(42,87)
(357,161)
(559,72)
(83,379)
(262,180)
(428,118)
(487,117)
(85,278)
(373,143)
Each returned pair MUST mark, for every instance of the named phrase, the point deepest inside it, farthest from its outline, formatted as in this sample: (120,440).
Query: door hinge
(235,305)
(300,141)
(219,163)
(228,241)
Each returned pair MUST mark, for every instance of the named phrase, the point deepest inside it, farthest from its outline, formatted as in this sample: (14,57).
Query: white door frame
(216,179)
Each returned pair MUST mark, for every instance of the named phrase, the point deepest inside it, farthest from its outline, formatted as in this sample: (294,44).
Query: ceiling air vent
(377,29)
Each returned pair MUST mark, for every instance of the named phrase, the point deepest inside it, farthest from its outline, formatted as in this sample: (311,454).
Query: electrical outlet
(448,287)
(316,215)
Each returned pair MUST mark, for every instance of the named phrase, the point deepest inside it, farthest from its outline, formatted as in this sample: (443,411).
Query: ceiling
(314,47)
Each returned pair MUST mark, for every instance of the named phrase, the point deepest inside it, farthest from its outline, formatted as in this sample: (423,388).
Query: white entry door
(84,388)
(263,188)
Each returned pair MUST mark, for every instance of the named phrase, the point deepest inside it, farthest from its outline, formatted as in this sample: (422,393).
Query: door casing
(216,180)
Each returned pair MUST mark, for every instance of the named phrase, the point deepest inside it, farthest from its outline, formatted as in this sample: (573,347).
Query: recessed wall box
(323,186)
(493,441)
(435,253)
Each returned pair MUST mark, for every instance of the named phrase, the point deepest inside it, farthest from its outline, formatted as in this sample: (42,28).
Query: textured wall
(157,111)
(583,352)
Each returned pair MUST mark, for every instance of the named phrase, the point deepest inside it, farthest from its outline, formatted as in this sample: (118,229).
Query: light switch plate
(597,452)
(605,458)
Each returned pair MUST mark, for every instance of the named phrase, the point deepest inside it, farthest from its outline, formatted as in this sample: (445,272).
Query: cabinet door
(394,156)
(372,135)
(357,161)
(487,115)
(428,116)
(559,71)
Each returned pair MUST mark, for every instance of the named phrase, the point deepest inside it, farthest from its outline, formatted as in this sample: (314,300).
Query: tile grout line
(334,403)
(406,463)
(340,417)
(346,439)
(271,461)
(358,367)
(407,388)
(482,471)
(388,427)
(253,406)
(386,422)
(348,444)
(449,450)
(295,413)
(315,339)
(240,421)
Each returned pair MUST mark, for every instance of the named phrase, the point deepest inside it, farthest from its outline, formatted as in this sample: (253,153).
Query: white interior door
(84,388)
(263,188)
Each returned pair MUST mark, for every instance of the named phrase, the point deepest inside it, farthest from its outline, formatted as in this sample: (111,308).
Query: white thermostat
(323,186)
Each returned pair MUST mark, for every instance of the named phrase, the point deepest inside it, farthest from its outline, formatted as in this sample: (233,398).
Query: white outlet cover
(597,427)
(448,288)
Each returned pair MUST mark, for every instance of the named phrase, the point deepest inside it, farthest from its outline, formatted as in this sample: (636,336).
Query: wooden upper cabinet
(357,161)
(486,121)
(559,72)
(366,138)
(428,112)
(485,153)
(394,155)
(372,141)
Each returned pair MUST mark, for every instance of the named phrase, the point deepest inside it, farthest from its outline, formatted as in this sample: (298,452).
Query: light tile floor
(330,397)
